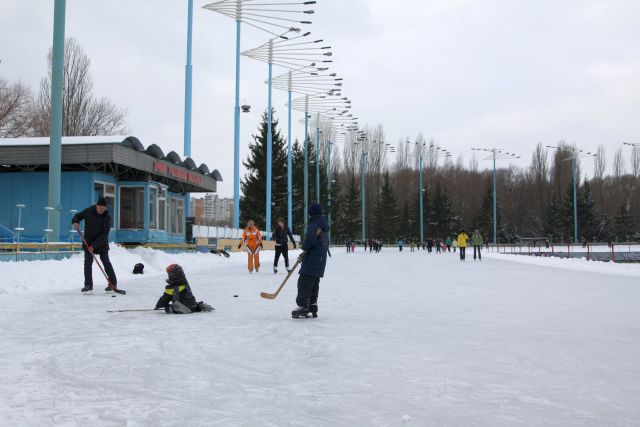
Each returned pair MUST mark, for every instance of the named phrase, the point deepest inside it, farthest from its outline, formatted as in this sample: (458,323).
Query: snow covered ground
(402,339)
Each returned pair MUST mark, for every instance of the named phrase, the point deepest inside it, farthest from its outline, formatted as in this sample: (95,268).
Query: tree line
(534,202)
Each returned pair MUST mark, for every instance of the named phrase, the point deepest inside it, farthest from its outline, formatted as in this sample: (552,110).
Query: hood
(320,221)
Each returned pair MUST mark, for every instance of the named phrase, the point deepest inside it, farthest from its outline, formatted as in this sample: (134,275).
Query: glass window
(132,208)
(153,211)
(162,210)
(180,215)
(172,215)
(108,191)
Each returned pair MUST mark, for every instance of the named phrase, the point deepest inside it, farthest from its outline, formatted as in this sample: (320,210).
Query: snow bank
(30,276)
(574,264)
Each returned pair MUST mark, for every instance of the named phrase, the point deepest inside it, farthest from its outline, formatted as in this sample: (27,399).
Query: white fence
(227,233)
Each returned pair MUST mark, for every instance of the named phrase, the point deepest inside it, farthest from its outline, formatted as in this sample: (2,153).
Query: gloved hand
(261,247)
(90,248)
(240,245)
(294,245)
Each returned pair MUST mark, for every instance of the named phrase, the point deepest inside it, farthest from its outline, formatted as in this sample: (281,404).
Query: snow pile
(573,264)
(35,276)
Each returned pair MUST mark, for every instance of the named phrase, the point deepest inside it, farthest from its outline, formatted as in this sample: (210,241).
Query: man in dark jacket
(281,235)
(97,223)
(314,260)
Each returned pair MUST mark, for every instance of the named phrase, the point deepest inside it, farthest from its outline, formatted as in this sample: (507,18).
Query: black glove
(240,245)
(294,245)
(262,247)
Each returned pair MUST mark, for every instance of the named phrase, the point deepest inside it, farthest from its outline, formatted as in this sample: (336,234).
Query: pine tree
(253,200)
(297,154)
(386,215)
(587,213)
(405,227)
(350,209)
(553,223)
(623,224)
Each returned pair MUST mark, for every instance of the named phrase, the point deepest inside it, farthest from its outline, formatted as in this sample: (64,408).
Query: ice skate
(300,312)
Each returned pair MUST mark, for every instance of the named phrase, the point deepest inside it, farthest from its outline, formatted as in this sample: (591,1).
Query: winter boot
(313,309)
(275,270)
(108,289)
(87,290)
(179,308)
(300,312)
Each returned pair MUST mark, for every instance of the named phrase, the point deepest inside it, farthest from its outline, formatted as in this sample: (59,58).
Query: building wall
(31,189)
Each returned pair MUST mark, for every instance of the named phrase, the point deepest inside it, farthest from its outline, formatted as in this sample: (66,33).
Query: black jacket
(180,285)
(96,227)
(280,235)
(315,246)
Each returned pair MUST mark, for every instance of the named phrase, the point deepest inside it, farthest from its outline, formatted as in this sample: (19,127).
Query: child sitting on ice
(177,297)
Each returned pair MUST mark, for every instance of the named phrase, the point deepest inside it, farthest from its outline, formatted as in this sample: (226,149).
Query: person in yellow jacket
(252,239)
(463,238)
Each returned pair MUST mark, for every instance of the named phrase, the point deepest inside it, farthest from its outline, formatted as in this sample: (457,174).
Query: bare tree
(15,102)
(540,164)
(618,164)
(473,163)
(600,162)
(82,114)
(635,161)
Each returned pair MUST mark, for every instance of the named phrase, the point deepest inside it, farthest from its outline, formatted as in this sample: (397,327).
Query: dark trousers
(308,288)
(478,248)
(108,268)
(284,250)
(463,253)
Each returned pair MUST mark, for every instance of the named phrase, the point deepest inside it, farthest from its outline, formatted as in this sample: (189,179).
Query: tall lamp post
(272,17)
(320,105)
(55,139)
(574,155)
(288,53)
(308,81)
(496,154)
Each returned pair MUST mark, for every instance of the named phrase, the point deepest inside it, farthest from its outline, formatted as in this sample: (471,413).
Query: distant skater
(462,244)
(476,242)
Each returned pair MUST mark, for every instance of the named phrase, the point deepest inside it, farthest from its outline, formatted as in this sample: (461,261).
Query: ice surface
(402,339)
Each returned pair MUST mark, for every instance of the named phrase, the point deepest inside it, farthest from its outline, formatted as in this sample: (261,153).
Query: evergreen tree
(253,185)
(405,227)
(350,210)
(297,154)
(484,220)
(623,224)
(386,215)
(587,213)
(442,216)
(334,207)
(553,222)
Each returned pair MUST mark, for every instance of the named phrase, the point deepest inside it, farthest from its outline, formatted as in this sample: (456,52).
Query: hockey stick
(111,285)
(274,295)
(131,310)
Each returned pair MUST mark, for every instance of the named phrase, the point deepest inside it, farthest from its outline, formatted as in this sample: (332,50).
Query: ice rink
(402,339)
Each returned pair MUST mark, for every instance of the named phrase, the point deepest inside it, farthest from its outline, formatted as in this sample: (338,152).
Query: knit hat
(315,209)
(101,201)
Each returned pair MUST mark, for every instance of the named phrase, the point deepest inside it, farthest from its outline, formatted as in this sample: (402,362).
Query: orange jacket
(252,237)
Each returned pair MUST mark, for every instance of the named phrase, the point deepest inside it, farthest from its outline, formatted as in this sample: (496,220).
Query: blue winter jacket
(316,246)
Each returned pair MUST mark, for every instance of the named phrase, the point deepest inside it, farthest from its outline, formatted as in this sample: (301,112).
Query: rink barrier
(616,252)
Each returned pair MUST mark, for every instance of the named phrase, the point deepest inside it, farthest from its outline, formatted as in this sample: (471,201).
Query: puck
(113,296)
(235,296)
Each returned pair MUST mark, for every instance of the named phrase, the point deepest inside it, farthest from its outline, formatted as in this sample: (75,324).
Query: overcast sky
(484,73)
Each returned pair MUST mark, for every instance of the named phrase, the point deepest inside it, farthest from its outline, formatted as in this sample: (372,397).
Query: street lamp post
(270,17)
(496,153)
(309,81)
(574,155)
(288,53)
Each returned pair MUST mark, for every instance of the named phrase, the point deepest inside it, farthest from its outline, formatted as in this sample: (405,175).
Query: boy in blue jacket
(315,249)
